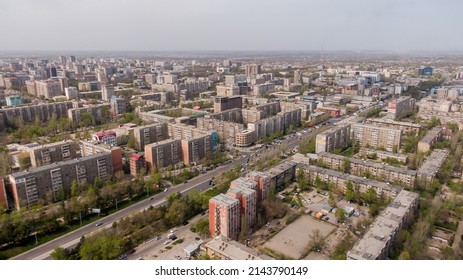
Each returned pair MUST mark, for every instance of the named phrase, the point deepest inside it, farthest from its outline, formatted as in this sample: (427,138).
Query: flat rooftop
(431,135)
(234,250)
(434,162)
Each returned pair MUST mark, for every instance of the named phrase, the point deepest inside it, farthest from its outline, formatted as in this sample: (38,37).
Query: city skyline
(207,25)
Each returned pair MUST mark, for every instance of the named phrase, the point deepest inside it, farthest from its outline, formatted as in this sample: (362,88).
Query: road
(200,183)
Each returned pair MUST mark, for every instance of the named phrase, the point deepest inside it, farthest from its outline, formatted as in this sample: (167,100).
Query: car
(326,218)
(167,241)
(185,223)
(197,238)
(267,224)
(165,190)
(173,230)
(98,224)
(151,198)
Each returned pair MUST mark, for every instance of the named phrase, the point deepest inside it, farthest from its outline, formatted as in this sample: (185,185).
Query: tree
(316,241)
(104,246)
(349,194)
(341,215)
(331,200)
(202,228)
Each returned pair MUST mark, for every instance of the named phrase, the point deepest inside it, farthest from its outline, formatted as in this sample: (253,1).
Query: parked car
(98,224)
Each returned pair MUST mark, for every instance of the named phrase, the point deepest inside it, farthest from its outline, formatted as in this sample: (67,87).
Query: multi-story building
(31,87)
(108,137)
(137,162)
(334,138)
(183,131)
(224,216)
(316,118)
(149,134)
(75,114)
(107,92)
(340,179)
(232,115)
(227,131)
(377,137)
(162,154)
(427,142)
(282,174)
(227,103)
(34,113)
(266,127)
(228,90)
(30,186)
(248,204)
(330,111)
(358,167)
(71,93)
(252,70)
(428,170)
(406,127)
(245,138)
(96,147)
(401,107)
(378,241)
(196,148)
(263,181)
(53,152)
(3,197)
(48,88)
(118,105)
(13,100)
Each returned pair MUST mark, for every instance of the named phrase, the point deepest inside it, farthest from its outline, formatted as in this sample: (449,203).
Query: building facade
(377,137)
(334,138)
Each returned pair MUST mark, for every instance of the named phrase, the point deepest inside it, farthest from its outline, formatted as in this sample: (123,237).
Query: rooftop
(431,135)
(234,250)
(434,162)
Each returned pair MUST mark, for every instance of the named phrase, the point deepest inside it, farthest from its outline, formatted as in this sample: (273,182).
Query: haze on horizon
(230,25)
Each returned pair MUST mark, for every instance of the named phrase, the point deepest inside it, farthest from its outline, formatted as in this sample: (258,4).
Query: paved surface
(294,239)
(200,183)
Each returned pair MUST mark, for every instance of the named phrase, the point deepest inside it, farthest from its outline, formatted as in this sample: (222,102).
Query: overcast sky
(165,25)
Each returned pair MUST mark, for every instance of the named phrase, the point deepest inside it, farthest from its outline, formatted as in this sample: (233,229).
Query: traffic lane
(74,236)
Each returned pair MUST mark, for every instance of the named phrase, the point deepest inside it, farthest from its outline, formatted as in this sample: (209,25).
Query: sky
(231,25)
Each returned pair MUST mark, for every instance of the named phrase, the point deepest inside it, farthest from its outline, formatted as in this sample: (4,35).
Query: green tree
(341,215)
(316,241)
(202,228)
(349,194)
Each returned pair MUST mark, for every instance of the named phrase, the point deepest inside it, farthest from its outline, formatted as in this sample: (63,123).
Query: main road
(200,183)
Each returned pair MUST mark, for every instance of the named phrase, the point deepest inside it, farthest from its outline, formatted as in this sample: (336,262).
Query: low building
(378,241)
(232,250)
(384,155)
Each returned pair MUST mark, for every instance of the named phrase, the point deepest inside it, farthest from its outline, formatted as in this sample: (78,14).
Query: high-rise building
(224,216)
(376,137)
(30,186)
(75,114)
(297,76)
(48,88)
(148,134)
(334,138)
(251,70)
(263,184)
(107,92)
(248,204)
(71,93)
(95,147)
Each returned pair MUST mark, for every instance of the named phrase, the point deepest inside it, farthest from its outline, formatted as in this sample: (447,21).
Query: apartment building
(227,131)
(75,114)
(248,204)
(33,113)
(401,107)
(252,70)
(406,127)
(378,241)
(427,142)
(162,154)
(263,181)
(334,138)
(137,162)
(245,138)
(196,149)
(53,152)
(316,118)
(48,88)
(118,105)
(384,155)
(377,137)
(223,103)
(148,134)
(281,174)
(359,167)
(224,216)
(340,180)
(433,163)
(95,147)
(30,186)
(183,131)
(107,92)
(231,115)
(3,197)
